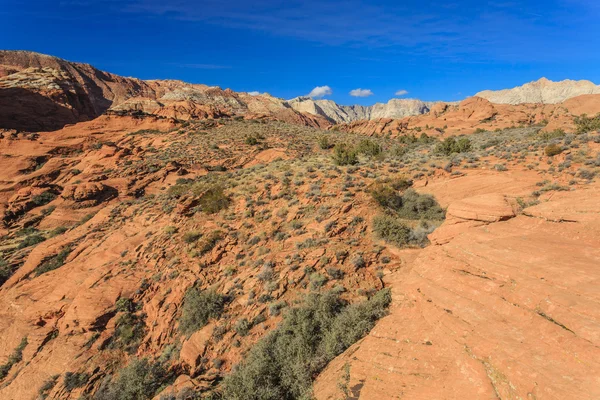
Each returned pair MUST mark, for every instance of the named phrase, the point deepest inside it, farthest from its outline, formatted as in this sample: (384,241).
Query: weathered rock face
(501,310)
(40,93)
(395,108)
(543,91)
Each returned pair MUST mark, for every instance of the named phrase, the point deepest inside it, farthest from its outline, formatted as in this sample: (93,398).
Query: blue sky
(433,50)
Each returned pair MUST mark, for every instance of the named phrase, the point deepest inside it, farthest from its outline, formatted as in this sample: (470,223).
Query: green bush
(553,150)
(208,242)
(198,307)
(391,230)
(31,240)
(344,154)
(14,358)
(450,146)
(43,198)
(324,142)
(140,380)
(213,200)
(5,271)
(587,124)
(191,237)
(74,380)
(409,205)
(53,263)
(368,148)
(284,363)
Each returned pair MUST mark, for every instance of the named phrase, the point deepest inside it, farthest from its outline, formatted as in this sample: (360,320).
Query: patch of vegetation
(394,230)
(54,262)
(587,124)
(213,200)
(450,146)
(47,386)
(198,307)
(74,380)
(324,143)
(283,365)
(408,205)
(344,154)
(31,240)
(553,150)
(208,242)
(368,148)
(130,327)
(43,198)
(14,358)
(141,379)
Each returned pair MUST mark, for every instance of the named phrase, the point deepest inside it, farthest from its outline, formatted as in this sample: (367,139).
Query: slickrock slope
(507,309)
(542,91)
(395,108)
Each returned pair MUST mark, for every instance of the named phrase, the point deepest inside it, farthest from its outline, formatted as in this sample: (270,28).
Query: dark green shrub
(368,148)
(5,271)
(213,200)
(43,198)
(283,365)
(74,380)
(14,358)
(343,154)
(53,263)
(420,206)
(450,146)
(140,380)
(198,307)
(47,386)
(191,237)
(31,240)
(208,242)
(324,142)
(553,150)
(391,230)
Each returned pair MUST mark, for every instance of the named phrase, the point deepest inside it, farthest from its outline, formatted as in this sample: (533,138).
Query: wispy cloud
(254,93)
(401,92)
(361,92)
(320,91)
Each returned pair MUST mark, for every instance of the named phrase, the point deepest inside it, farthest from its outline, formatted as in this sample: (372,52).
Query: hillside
(191,242)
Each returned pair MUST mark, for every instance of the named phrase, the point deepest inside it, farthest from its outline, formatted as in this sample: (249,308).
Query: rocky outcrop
(395,108)
(543,91)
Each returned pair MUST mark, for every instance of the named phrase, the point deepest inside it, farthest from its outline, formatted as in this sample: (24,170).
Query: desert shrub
(141,379)
(5,271)
(555,134)
(208,242)
(31,240)
(368,148)
(450,146)
(553,150)
(74,380)
(198,307)
(420,206)
(54,262)
(391,230)
(284,363)
(47,386)
(15,357)
(586,174)
(43,198)
(587,124)
(386,196)
(130,329)
(192,236)
(324,143)
(242,327)
(213,200)
(344,154)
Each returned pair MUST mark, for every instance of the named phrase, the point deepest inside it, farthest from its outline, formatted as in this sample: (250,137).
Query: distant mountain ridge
(395,108)
(42,92)
(542,91)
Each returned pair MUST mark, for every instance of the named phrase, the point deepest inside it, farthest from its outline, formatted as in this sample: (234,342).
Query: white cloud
(361,92)
(320,91)
(401,92)
(255,93)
